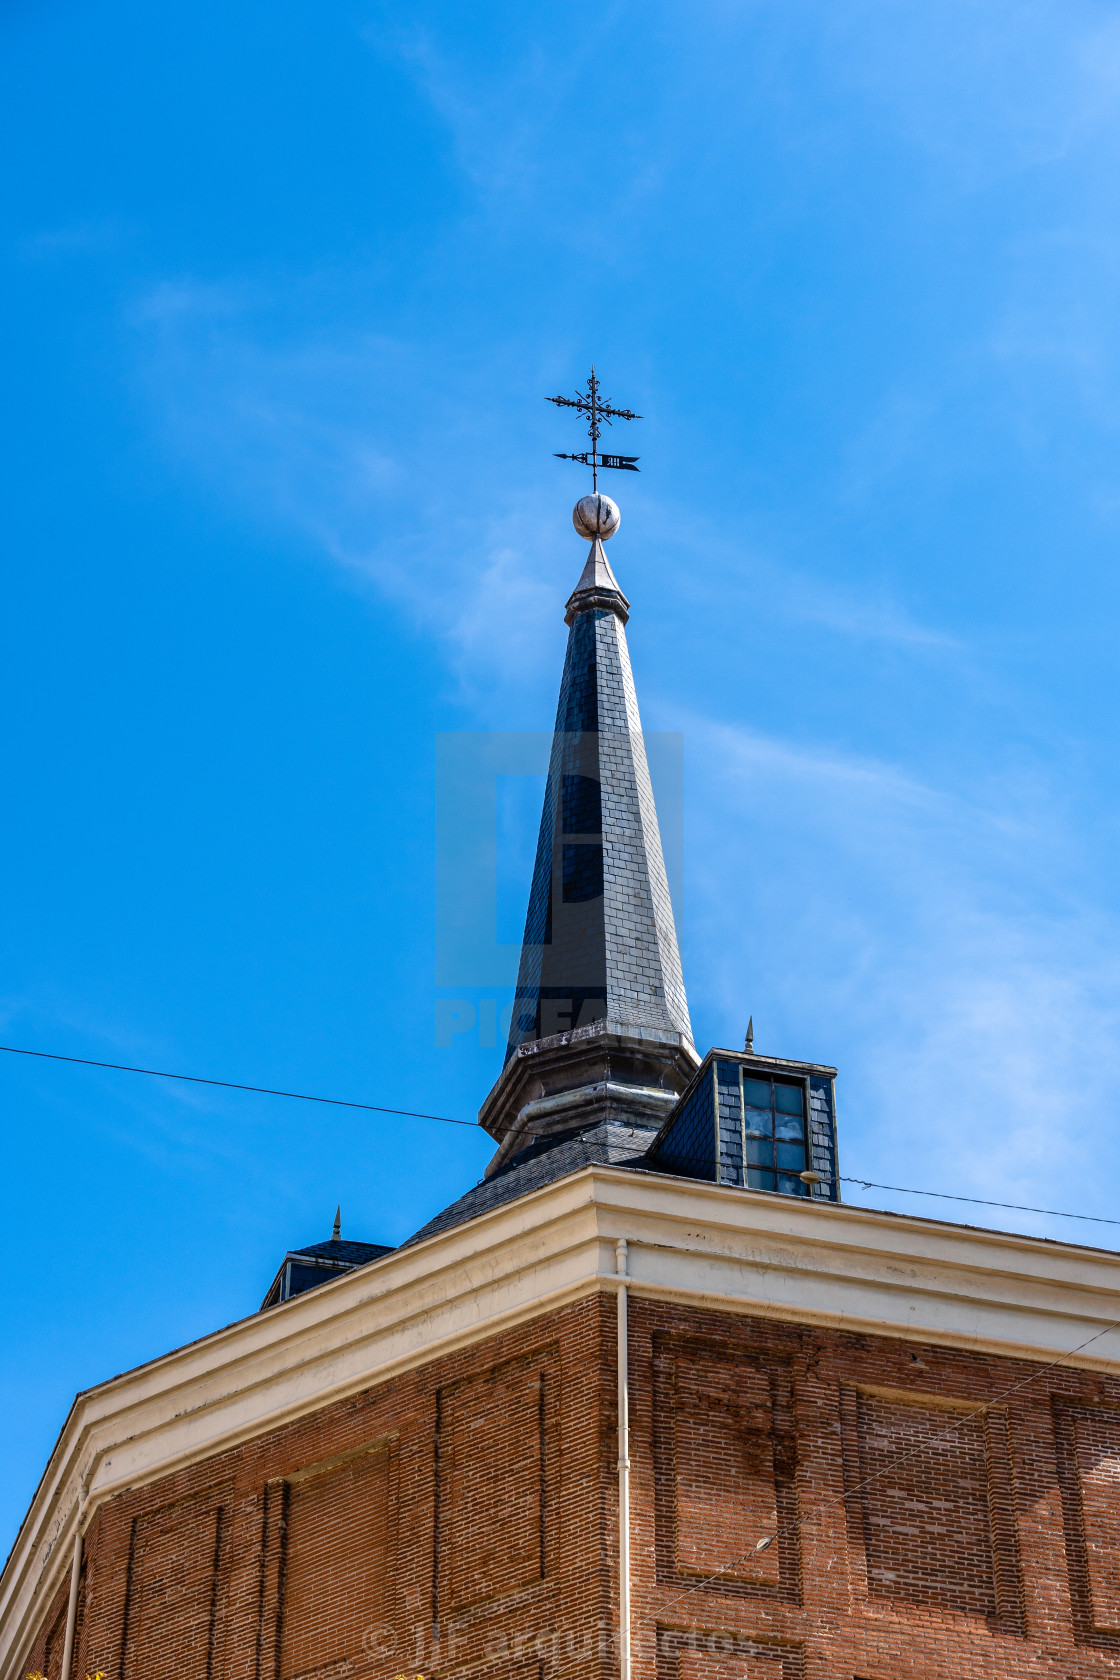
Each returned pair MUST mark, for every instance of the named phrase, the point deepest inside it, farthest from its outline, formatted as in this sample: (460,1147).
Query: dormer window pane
(774,1135)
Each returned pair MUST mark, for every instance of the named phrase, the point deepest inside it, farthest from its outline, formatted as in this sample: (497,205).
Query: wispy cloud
(915,934)
(330,438)
(986,88)
(504,97)
(862,615)
(316,437)
(952,939)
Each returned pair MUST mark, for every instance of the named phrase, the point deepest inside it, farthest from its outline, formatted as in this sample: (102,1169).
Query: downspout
(623,1466)
(75,1579)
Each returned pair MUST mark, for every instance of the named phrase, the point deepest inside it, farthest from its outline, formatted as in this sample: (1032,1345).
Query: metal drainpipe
(623,1465)
(72,1607)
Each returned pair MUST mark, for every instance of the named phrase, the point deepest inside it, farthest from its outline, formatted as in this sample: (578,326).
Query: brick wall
(441,1521)
(461,1520)
(969,1544)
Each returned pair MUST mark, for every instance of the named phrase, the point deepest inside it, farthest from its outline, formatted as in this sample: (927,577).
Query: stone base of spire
(607,1070)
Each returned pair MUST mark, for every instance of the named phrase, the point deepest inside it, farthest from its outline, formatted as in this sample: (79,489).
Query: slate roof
(600,941)
(322,1262)
(351,1253)
(608,1144)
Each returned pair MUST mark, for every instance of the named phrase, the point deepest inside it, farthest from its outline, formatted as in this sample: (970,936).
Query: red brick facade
(461,1519)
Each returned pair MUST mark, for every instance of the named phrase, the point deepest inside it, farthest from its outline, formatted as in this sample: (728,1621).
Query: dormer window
(755,1122)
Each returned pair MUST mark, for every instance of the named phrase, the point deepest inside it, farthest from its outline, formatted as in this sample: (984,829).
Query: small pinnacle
(748,1044)
(336,1234)
(597,587)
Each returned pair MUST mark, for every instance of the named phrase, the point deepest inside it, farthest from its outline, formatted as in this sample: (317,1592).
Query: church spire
(600,1014)
(600,941)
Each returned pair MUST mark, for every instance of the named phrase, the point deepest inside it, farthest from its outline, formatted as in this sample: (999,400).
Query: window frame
(803,1191)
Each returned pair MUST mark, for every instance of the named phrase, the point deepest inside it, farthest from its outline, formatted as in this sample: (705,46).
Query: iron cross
(598,413)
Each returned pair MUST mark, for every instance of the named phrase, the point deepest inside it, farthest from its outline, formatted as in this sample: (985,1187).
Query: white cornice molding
(738,1251)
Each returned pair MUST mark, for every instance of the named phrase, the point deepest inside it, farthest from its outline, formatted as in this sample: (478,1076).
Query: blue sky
(284,287)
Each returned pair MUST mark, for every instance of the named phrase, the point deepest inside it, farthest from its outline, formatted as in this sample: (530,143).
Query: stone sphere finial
(596,516)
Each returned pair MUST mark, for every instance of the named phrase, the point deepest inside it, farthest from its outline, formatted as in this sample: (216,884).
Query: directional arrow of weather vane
(598,414)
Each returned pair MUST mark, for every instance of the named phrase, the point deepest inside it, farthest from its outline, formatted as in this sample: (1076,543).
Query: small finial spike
(748,1044)
(336,1234)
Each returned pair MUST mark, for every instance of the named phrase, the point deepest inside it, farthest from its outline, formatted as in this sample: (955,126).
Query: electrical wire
(868,1184)
(978,1201)
(232,1085)
(448,1120)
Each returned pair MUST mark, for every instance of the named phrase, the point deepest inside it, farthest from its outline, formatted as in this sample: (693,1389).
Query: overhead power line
(449,1120)
(233,1085)
(978,1201)
(766,1540)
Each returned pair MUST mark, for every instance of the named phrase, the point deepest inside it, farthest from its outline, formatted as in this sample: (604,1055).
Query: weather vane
(599,413)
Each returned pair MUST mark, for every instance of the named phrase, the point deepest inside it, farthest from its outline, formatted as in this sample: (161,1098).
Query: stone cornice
(736,1250)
